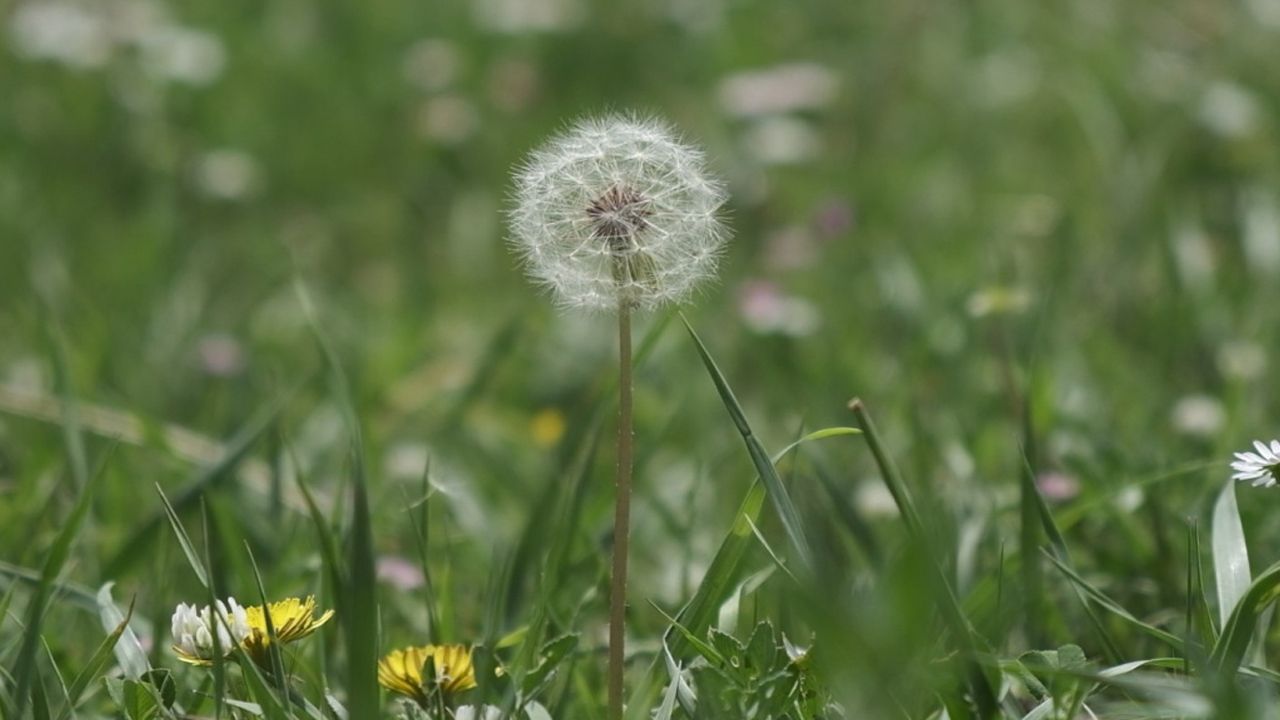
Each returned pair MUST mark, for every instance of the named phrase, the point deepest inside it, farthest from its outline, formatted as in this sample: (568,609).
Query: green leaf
(762,648)
(136,699)
(553,653)
(166,690)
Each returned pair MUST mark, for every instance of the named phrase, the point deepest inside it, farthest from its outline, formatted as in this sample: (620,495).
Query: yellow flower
(401,670)
(292,619)
(547,427)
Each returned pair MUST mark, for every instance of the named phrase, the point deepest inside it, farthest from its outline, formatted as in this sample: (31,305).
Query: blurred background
(979,217)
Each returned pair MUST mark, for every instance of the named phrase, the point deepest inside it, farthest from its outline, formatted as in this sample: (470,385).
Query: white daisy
(1261,468)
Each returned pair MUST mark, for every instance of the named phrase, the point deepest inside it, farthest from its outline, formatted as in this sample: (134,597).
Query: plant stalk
(621,517)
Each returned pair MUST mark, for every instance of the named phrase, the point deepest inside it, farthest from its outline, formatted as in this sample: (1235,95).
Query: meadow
(949,435)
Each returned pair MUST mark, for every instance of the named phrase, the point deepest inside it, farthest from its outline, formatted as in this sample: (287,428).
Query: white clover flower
(192,629)
(533,711)
(617,211)
(1261,468)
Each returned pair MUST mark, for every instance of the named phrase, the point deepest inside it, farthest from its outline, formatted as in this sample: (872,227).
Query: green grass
(1042,243)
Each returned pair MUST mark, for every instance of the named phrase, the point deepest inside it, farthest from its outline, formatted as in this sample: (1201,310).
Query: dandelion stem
(622,516)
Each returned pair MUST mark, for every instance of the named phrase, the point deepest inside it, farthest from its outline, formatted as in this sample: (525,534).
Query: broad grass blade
(128,650)
(1238,630)
(97,662)
(1230,554)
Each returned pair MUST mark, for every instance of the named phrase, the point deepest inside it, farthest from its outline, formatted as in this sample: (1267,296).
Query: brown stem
(621,517)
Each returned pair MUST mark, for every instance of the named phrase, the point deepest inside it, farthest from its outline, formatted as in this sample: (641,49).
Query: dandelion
(617,214)
(291,618)
(241,627)
(617,211)
(1261,468)
(193,630)
(452,672)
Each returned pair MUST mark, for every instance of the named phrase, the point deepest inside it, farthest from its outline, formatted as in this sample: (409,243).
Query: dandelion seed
(617,211)
(401,671)
(1261,468)
(192,628)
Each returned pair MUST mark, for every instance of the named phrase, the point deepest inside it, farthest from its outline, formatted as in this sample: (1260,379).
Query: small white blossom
(1261,468)
(183,54)
(64,32)
(616,210)
(192,629)
(468,712)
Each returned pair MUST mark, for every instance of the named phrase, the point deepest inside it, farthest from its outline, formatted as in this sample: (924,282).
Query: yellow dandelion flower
(547,427)
(292,619)
(401,670)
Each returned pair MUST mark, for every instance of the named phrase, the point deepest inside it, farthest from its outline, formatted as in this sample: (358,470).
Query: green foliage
(1040,240)
(755,679)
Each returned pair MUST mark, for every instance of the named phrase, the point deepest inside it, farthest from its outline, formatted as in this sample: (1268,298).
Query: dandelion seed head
(616,210)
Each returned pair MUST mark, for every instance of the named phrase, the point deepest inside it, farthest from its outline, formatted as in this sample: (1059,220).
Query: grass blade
(1034,506)
(720,578)
(184,540)
(209,476)
(96,664)
(777,493)
(273,642)
(24,671)
(984,696)
(358,613)
(1114,607)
